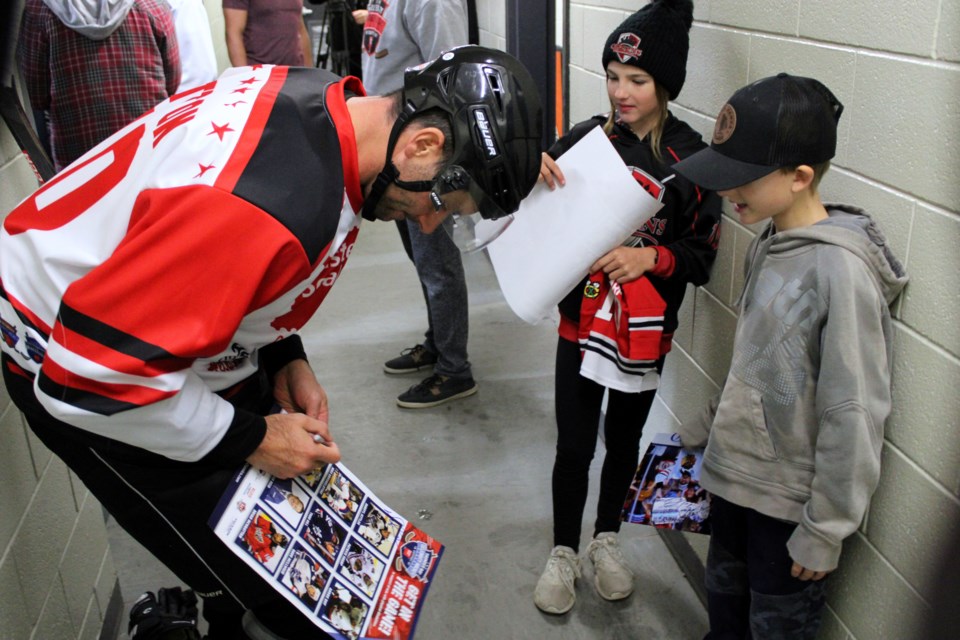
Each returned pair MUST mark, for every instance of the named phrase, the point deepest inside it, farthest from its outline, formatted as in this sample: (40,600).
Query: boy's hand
(802,573)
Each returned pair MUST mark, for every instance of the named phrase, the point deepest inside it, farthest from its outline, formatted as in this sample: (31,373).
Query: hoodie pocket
(763,440)
(739,431)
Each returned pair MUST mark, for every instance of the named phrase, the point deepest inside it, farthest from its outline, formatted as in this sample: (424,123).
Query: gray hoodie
(797,429)
(405,33)
(95,19)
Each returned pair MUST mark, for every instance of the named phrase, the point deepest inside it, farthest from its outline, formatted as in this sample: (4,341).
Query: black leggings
(578,402)
(164,504)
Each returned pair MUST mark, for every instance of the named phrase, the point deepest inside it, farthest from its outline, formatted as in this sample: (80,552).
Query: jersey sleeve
(194,262)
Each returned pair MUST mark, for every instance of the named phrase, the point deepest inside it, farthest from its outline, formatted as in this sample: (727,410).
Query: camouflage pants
(750,591)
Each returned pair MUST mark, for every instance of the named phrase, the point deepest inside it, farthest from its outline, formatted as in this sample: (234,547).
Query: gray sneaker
(411,360)
(556,588)
(612,577)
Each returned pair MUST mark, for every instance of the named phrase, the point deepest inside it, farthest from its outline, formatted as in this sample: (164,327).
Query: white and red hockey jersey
(621,333)
(145,277)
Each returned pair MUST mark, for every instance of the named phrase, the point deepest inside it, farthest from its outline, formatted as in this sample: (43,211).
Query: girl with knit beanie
(645,63)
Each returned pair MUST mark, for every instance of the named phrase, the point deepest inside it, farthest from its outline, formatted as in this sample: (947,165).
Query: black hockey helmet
(496,119)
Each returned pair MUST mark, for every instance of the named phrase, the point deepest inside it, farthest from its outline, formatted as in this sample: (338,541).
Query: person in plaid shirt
(94,66)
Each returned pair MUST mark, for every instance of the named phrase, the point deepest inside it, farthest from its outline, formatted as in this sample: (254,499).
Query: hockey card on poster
(352,565)
(666,491)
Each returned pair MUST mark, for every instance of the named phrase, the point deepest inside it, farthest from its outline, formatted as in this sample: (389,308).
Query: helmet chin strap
(390,174)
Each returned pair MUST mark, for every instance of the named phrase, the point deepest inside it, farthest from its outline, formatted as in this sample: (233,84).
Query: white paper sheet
(557,235)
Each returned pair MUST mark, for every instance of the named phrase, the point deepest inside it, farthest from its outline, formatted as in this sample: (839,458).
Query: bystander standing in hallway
(93,66)
(397,35)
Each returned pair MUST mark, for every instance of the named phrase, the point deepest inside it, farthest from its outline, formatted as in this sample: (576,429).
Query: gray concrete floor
(478,469)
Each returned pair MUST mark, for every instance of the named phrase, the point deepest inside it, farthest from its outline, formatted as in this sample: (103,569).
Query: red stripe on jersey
(194,262)
(257,121)
(129,393)
(337,108)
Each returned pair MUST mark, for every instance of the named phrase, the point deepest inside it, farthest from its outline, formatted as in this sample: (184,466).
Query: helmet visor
(472,233)
(457,193)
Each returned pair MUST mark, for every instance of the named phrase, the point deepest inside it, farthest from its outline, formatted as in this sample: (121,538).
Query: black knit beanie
(656,38)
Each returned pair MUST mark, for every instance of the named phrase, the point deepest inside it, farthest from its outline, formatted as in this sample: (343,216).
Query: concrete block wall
(896,68)
(57,577)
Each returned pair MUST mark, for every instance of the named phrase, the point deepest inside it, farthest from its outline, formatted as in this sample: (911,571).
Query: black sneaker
(436,390)
(411,360)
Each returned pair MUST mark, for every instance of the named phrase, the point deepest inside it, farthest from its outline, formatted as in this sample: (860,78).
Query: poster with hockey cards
(356,568)
(666,491)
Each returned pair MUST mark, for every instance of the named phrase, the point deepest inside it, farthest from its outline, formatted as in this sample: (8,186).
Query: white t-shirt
(198,61)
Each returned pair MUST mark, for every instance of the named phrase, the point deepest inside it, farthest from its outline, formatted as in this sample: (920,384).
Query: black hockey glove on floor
(170,615)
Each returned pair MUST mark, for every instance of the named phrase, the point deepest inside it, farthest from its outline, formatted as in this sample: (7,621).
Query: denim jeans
(440,269)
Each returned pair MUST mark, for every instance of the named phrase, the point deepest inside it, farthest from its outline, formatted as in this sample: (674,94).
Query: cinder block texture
(13,622)
(54,621)
(893,211)
(42,537)
(575,35)
(685,387)
(914,523)
(831,628)
(887,25)
(624,5)
(721,275)
(597,26)
(870,597)
(931,301)
(22,180)
(717,66)
(16,474)
(925,420)
(714,327)
(588,95)
(905,125)
(683,336)
(82,559)
(92,622)
(772,16)
(948,36)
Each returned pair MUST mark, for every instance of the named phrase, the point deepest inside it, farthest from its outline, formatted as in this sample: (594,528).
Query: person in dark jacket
(647,276)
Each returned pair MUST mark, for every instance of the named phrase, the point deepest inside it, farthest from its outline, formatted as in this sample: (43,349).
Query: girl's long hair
(663,99)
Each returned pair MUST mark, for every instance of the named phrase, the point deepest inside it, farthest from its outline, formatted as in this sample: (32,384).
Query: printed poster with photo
(355,567)
(666,491)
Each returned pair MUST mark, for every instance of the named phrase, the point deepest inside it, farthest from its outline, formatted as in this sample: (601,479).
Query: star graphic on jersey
(241,90)
(248,81)
(220,129)
(203,169)
(233,104)
(256,66)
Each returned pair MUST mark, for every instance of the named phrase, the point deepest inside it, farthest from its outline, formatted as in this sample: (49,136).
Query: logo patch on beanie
(627,47)
(726,124)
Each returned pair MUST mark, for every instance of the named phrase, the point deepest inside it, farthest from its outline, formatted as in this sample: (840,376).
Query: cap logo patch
(726,124)
(627,47)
